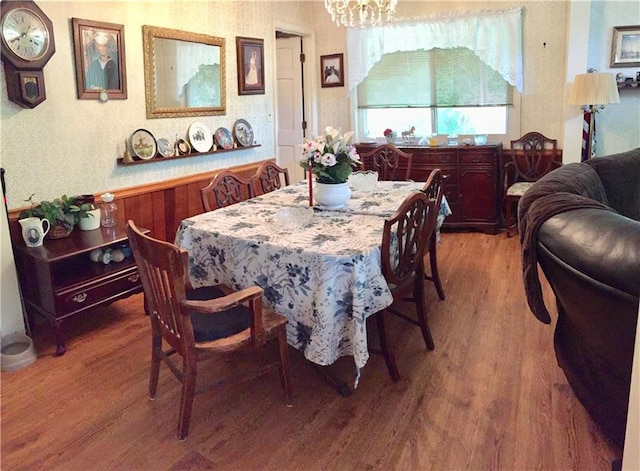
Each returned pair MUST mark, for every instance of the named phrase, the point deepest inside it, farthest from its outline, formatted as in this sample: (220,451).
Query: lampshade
(594,89)
(344,12)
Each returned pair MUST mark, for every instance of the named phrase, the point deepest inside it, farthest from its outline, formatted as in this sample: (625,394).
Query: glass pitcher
(108,210)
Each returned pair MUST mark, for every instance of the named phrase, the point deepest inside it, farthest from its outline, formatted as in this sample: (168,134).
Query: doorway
(294,101)
(289,102)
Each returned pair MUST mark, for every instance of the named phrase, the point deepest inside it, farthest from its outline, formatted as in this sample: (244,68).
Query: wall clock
(27,45)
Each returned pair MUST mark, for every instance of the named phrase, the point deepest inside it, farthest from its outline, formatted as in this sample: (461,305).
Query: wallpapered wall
(618,126)
(66,145)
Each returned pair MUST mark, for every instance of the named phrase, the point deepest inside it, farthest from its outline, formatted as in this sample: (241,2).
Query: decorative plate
(143,144)
(183,147)
(200,137)
(224,138)
(165,148)
(243,133)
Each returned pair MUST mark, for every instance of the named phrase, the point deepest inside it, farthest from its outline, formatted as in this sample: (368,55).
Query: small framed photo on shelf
(100,61)
(625,48)
(250,52)
(332,70)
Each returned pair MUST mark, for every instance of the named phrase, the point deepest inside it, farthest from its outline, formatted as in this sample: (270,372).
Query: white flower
(353,154)
(328,160)
(330,156)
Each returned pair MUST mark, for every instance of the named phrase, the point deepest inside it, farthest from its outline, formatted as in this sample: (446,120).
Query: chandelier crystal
(371,12)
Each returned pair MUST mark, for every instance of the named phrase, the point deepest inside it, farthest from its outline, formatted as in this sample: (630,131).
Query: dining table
(324,274)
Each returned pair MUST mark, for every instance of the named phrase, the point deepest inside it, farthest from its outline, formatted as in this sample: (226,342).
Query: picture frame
(625,47)
(250,55)
(332,70)
(92,41)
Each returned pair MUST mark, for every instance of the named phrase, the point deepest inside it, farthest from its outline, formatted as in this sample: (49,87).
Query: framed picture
(100,61)
(625,48)
(332,70)
(250,53)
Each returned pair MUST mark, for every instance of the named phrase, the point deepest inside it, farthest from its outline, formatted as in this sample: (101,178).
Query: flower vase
(390,139)
(331,195)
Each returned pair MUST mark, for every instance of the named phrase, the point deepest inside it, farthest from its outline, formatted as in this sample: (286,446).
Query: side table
(58,279)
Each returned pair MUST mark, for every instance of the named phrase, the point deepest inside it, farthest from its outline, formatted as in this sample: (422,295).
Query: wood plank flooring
(490,397)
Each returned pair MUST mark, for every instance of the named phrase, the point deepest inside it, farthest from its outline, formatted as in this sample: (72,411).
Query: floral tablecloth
(325,278)
(381,199)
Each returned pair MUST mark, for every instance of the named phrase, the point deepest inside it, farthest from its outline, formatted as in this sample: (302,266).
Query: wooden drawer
(474,157)
(434,157)
(77,298)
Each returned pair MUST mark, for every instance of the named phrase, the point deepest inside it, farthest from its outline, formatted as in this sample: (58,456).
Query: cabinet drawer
(450,175)
(81,297)
(477,157)
(438,158)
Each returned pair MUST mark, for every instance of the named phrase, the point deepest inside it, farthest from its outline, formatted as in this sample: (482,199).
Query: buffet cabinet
(472,181)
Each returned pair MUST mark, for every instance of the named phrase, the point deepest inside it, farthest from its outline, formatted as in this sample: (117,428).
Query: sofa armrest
(603,245)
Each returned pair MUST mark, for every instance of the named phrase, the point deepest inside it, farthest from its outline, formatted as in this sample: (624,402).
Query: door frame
(309,73)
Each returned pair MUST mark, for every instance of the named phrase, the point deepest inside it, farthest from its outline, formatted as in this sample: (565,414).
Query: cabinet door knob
(134,278)
(79,298)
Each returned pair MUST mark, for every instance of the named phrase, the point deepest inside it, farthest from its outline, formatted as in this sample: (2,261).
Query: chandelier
(344,12)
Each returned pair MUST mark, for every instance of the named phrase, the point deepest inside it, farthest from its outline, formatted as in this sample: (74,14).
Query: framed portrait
(250,52)
(100,61)
(625,48)
(332,70)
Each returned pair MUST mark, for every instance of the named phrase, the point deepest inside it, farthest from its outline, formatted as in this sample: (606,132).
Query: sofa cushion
(620,177)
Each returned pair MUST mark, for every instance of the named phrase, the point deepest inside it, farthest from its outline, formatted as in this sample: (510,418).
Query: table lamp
(591,92)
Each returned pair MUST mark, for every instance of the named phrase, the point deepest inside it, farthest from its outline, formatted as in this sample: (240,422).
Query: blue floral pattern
(325,277)
(381,200)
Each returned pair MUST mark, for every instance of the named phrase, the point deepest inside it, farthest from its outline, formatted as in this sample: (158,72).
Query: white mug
(33,231)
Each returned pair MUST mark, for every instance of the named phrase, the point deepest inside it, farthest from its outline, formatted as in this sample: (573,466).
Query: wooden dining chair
(402,255)
(225,189)
(390,162)
(202,322)
(269,177)
(434,189)
(532,156)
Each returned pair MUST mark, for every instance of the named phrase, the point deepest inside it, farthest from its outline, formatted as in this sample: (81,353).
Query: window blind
(435,78)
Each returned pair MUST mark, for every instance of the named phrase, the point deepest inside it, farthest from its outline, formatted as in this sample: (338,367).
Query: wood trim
(244,169)
(158,206)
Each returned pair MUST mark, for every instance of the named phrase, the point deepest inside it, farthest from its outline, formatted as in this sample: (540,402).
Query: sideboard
(472,181)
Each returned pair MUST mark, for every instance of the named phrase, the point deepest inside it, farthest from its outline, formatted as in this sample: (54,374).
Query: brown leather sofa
(581,225)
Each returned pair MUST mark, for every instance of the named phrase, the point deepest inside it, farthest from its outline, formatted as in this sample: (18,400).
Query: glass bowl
(294,218)
(480,139)
(364,179)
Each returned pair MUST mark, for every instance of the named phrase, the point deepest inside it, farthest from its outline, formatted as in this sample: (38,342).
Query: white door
(289,96)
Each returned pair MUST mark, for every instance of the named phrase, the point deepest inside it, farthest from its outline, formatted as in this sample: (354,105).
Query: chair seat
(208,327)
(518,188)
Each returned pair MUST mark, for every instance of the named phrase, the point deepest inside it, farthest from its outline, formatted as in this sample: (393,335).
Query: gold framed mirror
(184,73)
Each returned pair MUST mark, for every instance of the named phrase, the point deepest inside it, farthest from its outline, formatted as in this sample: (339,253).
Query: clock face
(25,34)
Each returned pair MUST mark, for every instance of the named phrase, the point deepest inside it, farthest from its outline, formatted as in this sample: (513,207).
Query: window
(440,91)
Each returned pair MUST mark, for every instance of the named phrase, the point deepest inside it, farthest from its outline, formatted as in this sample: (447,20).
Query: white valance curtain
(494,36)
(189,57)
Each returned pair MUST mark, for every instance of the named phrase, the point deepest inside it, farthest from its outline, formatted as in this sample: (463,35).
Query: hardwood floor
(490,397)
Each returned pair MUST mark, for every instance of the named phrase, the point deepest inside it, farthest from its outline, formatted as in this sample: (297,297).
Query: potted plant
(331,158)
(62,213)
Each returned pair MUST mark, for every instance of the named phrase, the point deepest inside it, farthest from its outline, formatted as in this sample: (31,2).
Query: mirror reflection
(184,73)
